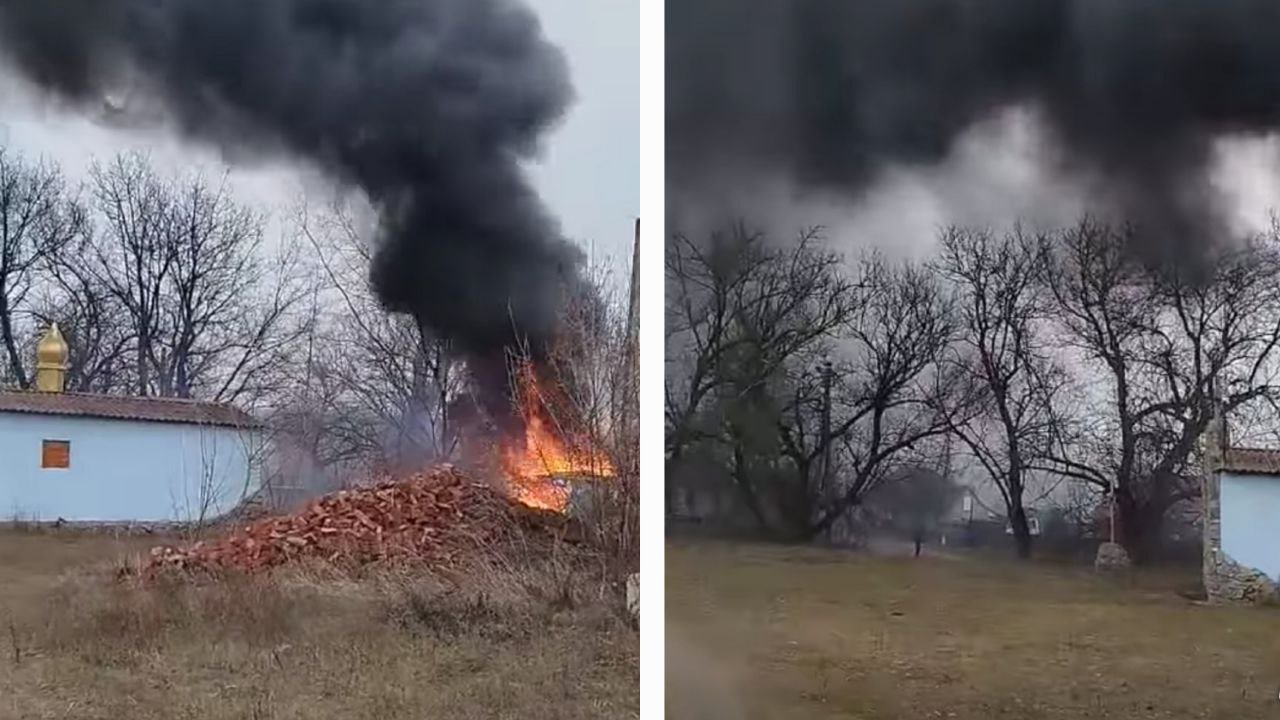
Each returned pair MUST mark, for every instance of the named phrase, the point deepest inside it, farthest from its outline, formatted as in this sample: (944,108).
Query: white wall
(122,470)
(1251,521)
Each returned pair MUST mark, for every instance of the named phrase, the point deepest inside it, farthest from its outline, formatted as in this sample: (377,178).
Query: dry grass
(772,632)
(77,644)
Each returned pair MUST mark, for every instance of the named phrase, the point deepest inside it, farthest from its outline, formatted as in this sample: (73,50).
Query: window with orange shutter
(55,454)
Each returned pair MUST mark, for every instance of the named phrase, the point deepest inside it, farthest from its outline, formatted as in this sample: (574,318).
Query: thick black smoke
(429,106)
(828,92)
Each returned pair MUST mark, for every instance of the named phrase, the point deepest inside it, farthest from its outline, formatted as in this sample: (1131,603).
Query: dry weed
(313,641)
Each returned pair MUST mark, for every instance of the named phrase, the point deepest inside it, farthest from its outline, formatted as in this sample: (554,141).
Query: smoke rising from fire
(828,94)
(428,106)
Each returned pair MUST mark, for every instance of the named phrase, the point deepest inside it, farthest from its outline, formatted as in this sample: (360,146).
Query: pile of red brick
(434,517)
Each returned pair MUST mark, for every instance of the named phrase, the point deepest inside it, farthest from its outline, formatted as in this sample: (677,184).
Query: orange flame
(538,469)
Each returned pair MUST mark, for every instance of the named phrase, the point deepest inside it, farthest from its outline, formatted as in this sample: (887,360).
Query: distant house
(991,516)
(83,457)
(979,522)
(1033,524)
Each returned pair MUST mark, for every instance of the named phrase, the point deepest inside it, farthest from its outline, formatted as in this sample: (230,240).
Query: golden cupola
(51,361)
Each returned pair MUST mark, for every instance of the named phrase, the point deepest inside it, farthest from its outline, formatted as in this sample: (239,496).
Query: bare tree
(94,325)
(235,313)
(134,254)
(209,313)
(228,309)
(591,400)
(1169,340)
(749,329)
(388,382)
(38,218)
(893,392)
(1000,306)
(737,311)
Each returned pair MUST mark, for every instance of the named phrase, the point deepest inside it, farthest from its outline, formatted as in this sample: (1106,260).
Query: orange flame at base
(537,470)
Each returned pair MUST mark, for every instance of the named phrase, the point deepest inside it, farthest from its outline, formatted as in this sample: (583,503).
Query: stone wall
(1227,582)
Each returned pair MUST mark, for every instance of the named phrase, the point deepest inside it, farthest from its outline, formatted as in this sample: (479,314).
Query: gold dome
(51,361)
(52,349)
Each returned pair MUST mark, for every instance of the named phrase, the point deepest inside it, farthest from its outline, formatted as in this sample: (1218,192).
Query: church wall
(1250,521)
(122,470)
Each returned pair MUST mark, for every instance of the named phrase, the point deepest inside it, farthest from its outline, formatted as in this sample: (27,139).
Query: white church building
(1241,490)
(91,458)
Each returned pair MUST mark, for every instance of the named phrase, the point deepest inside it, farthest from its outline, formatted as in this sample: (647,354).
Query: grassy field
(74,643)
(776,632)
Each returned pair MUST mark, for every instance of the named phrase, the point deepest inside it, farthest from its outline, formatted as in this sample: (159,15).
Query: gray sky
(589,175)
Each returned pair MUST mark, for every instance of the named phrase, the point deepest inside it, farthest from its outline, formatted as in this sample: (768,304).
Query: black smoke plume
(428,106)
(827,92)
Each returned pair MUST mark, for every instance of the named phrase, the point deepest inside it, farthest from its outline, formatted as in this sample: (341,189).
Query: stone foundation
(1227,582)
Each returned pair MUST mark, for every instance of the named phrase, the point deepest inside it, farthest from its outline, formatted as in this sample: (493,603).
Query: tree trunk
(1129,525)
(748,491)
(1130,535)
(1140,527)
(144,376)
(1021,531)
(801,515)
(11,347)
(181,372)
(831,515)
(1151,545)
(669,489)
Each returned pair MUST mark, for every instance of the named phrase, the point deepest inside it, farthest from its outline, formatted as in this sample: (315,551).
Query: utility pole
(825,435)
(628,374)
(633,296)
(947,453)
(1113,513)
(629,380)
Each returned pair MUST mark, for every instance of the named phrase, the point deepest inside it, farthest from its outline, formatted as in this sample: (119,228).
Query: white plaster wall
(1250,511)
(123,470)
